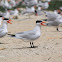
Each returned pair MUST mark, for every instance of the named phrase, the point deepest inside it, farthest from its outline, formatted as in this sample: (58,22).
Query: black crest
(38,21)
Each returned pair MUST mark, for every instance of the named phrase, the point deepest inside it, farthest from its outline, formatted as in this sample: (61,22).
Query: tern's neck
(0,20)
(38,27)
(5,27)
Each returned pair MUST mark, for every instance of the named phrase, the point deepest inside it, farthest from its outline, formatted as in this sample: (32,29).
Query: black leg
(32,45)
(57,29)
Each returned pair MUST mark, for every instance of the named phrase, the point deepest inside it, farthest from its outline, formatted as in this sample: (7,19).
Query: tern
(30,35)
(54,19)
(14,13)
(44,4)
(6,14)
(3,29)
(30,3)
(7,5)
(29,11)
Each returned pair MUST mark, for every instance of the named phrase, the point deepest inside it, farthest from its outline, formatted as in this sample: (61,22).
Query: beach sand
(48,46)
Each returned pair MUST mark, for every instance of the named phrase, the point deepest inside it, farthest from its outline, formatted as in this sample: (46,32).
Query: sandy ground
(49,45)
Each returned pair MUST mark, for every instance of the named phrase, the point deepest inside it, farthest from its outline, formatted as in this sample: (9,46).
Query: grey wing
(52,23)
(1,30)
(51,17)
(30,35)
(30,32)
(25,34)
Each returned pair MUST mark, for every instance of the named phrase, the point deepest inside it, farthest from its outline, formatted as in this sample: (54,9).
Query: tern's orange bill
(43,23)
(9,21)
(48,2)
(61,14)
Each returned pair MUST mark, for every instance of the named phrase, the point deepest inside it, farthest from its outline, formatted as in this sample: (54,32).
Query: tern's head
(6,20)
(0,16)
(59,11)
(39,22)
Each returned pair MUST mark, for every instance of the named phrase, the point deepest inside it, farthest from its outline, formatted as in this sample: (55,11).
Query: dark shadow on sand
(26,47)
(3,43)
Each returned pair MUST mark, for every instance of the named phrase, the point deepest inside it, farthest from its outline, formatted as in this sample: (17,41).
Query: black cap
(59,12)
(38,21)
(0,15)
(6,19)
